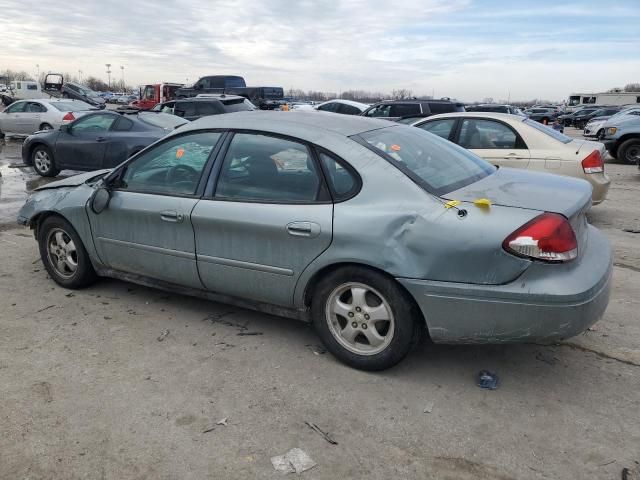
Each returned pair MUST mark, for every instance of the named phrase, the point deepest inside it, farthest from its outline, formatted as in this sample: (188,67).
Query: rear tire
(364,318)
(43,161)
(629,151)
(64,255)
(545,121)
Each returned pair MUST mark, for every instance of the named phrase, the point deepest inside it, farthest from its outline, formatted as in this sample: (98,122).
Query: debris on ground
(294,461)
(209,430)
(487,380)
(45,308)
(248,333)
(428,408)
(324,434)
(163,335)
(631,230)
(222,422)
(317,349)
(70,294)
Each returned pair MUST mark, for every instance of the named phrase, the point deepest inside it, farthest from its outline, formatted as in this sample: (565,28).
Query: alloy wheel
(360,318)
(62,253)
(42,161)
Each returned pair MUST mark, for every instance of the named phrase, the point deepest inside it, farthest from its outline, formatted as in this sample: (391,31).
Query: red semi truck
(151,95)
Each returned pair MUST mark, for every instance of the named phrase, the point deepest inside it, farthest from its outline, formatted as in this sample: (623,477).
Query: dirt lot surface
(123,382)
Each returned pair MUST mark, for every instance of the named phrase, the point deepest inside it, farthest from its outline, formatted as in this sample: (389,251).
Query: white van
(25,89)
(604,98)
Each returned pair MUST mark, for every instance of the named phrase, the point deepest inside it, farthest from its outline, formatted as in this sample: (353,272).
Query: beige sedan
(515,141)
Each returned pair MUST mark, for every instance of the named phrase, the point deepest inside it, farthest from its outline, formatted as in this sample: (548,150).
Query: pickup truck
(265,98)
(622,138)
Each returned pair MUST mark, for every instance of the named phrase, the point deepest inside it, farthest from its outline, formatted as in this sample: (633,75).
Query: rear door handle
(101,139)
(303,229)
(171,216)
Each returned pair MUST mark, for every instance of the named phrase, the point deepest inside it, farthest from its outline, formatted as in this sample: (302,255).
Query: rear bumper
(548,302)
(600,182)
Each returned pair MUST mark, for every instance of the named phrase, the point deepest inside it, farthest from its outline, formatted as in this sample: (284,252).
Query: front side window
(94,123)
(435,164)
(442,128)
(574,100)
(32,86)
(17,107)
(149,93)
(269,169)
(486,134)
(171,168)
(379,111)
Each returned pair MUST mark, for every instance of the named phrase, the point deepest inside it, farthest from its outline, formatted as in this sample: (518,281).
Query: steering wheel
(181,172)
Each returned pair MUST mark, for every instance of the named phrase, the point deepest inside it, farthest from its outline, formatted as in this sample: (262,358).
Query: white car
(517,142)
(346,107)
(25,117)
(595,127)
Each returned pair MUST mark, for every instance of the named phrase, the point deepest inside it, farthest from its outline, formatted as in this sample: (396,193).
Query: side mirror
(100,200)
(198,86)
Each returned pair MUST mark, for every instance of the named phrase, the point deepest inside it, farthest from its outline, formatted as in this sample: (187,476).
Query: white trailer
(603,98)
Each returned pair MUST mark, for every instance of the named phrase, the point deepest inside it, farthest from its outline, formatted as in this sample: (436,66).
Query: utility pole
(122,69)
(38,75)
(108,65)
(80,76)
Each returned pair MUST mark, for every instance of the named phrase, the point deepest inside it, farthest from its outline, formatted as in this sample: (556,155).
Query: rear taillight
(68,117)
(547,237)
(593,163)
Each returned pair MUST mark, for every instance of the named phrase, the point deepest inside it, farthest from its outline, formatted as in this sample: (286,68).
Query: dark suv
(405,111)
(194,108)
(494,107)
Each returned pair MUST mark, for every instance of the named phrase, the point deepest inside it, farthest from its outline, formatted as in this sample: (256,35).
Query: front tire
(64,255)
(364,318)
(629,150)
(43,162)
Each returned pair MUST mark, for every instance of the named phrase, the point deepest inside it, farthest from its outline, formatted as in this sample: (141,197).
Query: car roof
(277,121)
(415,100)
(346,102)
(494,115)
(217,96)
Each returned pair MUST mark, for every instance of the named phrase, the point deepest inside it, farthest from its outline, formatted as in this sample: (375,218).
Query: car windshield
(238,105)
(437,165)
(73,106)
(561,137)
(162,120)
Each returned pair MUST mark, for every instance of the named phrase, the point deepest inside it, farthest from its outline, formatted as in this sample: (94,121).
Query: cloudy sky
(466,49)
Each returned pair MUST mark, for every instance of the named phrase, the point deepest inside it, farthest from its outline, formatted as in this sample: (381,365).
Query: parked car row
(25,117)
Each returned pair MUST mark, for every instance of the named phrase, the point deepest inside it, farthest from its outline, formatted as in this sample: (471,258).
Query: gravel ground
(88,390)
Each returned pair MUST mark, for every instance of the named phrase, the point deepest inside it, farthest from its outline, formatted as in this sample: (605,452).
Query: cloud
(450,46)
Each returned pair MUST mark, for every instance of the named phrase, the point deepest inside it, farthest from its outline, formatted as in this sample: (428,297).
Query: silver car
(25,117)
(368,229)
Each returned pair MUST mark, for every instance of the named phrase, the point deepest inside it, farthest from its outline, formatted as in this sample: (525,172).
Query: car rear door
(84,143)
(267,218)
(33,116)
(147,229)
(495,141)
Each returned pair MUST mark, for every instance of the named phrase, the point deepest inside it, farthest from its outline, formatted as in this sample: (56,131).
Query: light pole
(122,69)
(38,76)
(108,65)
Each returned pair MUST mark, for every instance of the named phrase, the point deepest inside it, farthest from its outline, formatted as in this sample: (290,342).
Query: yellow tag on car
(452,203)
(482,202)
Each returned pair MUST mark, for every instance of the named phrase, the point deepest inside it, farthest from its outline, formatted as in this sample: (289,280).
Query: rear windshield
(437,165)
(162,120)
(75,106)
(561,137)
(238,105)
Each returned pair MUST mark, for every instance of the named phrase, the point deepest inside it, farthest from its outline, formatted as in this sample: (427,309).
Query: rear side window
(123,125)
(262,168)
(348,109)
(34,107)
(208,108)
(185,109)
(329,107)
(442,128)
(342,182)
(405,109)
(435,164)
(443,108)
(32,86)
(238,105)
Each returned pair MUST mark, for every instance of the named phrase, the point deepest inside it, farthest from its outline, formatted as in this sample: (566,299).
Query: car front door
(147,228)
(267,219)
(494,141)
(83,144)
(12,119)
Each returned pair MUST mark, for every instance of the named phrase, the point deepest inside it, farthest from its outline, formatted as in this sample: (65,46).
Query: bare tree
(632,87)
(401,94)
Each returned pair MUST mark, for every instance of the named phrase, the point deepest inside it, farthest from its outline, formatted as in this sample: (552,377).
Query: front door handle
(171,216)
(303,229)
(101,139)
